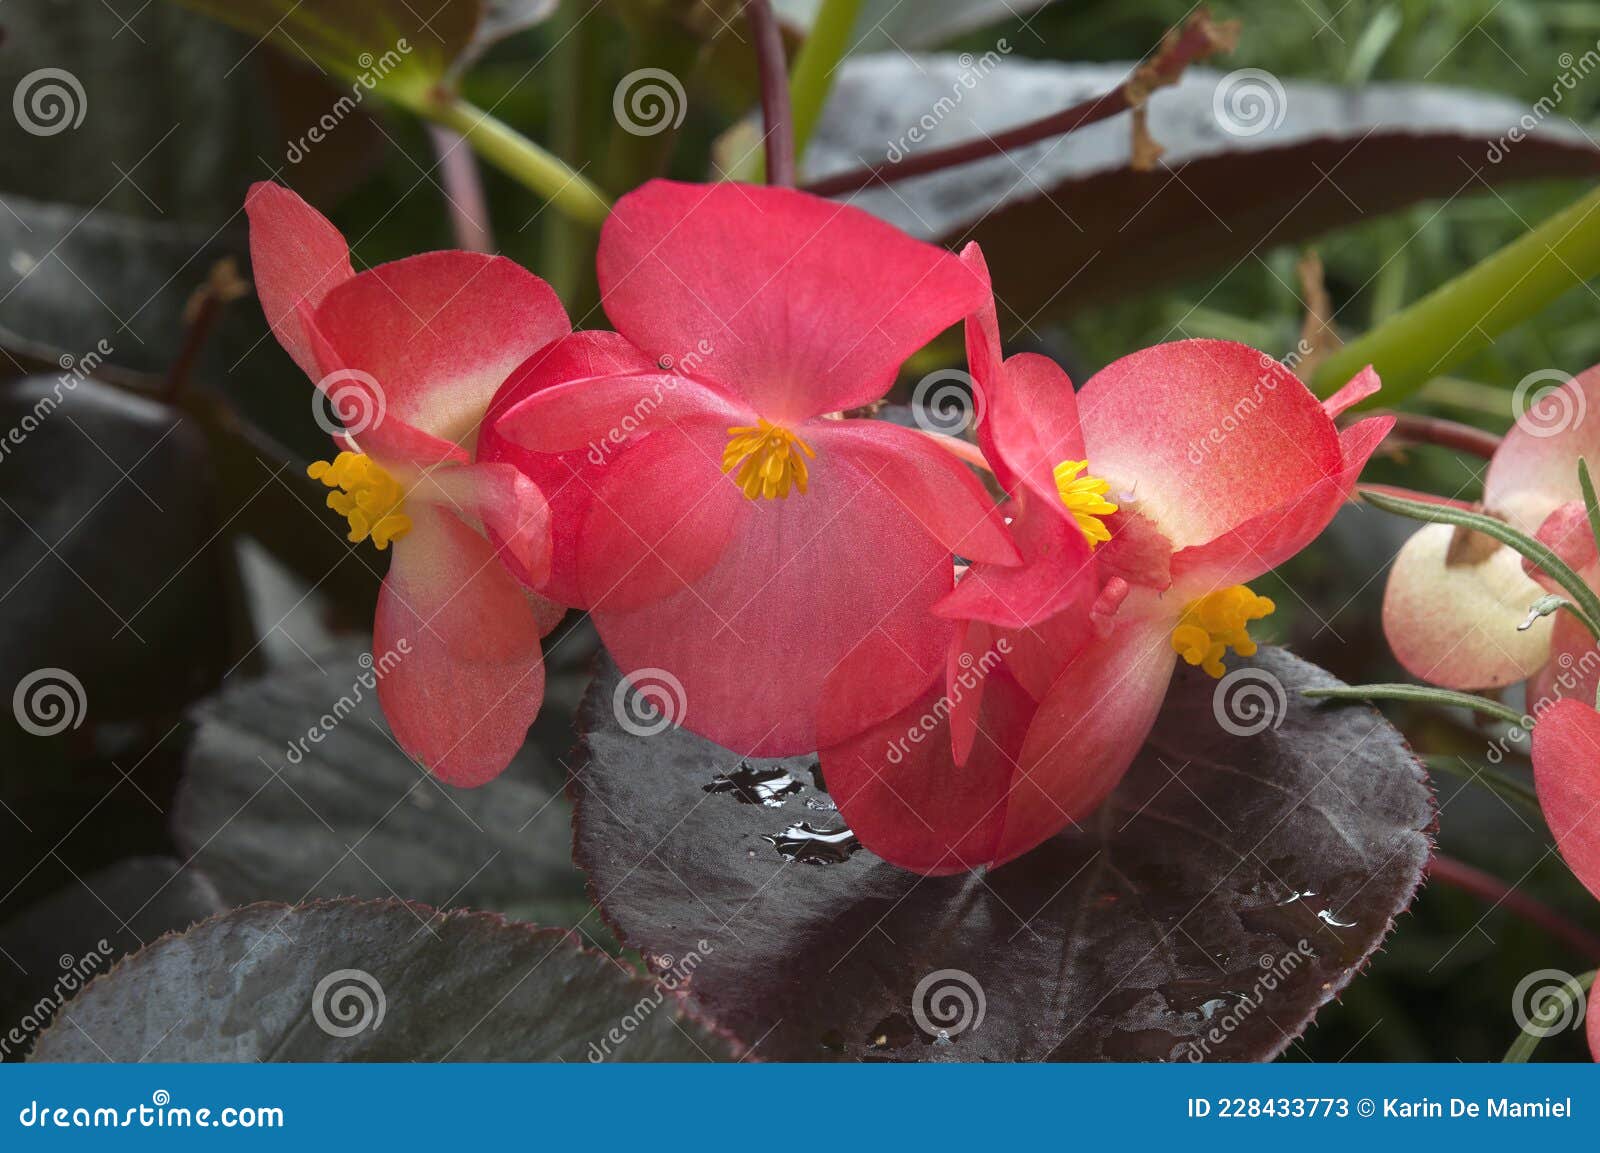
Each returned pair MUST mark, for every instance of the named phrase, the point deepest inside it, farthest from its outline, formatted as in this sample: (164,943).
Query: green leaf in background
(374,981)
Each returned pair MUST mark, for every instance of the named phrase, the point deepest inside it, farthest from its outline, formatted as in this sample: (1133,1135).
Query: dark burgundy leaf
(1231,886)
(1067,220)
(374,981)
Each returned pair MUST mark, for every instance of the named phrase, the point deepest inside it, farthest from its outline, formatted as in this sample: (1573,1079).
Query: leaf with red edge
(1232,886)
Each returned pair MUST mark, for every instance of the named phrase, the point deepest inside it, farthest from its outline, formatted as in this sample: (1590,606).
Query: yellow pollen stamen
(770,460)
(1085,498)
(1217,622)
(368,497)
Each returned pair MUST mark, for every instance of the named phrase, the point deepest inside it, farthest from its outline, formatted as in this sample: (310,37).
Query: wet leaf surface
(294,788)
(1231,886)
(373,981)
(1217,195)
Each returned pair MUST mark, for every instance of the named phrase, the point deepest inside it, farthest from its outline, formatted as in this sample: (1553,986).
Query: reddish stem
(1412,494)
(1198,39)
(775,111)
(1487,887)
(1413,428)
(463,190)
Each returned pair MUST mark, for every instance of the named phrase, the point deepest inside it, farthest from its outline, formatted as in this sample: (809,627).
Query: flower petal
(505,503)
(798,305)
(1056,574)
(1456,625)
(472,678)
(440,333)
(1573,670)
(1566,773)
(1535,469)
(296,258)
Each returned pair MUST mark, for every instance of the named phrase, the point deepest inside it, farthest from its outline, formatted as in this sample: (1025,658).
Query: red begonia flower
(739,535)
(1213,463)
(1566,773)
(409,355)
(1451,611)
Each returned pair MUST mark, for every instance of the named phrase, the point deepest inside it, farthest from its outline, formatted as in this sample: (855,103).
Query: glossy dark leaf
(373,981)
(1231,886)
(1067,220)
(294,788)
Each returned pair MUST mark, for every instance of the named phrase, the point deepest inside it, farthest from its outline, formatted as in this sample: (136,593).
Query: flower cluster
(816,579)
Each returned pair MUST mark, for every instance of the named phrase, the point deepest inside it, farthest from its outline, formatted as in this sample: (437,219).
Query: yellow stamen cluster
(770,460)
(1217,622)
(369,498)
(1085,498)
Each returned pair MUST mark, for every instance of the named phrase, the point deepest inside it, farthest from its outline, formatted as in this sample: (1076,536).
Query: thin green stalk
(1465,314)
(1502,784)
(811,78)
(1555,1007)
(1422,693)
(1554,567)
(1590,505)
(520,158)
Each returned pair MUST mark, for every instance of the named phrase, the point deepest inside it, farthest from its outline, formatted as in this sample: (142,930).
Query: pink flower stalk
(409,354)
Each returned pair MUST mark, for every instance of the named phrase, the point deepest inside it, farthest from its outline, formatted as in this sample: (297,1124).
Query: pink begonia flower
(409,354)
(1566,774)
(738,534)
(1141,504)
(1454,601)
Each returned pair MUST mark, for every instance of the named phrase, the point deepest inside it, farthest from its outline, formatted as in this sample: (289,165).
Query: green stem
(811,78)
(1465,314)
(520,158)
(1527,1041)
(1422,693)
(1590,505)
(1554,567)
(1502,784)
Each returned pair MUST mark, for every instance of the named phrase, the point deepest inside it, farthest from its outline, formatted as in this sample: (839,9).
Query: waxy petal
(508,505)
(296,258)
(439,333)
(470,677)
(1056,574)
(1573,670)
(797,305)
(1535,469)
(1566,773)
